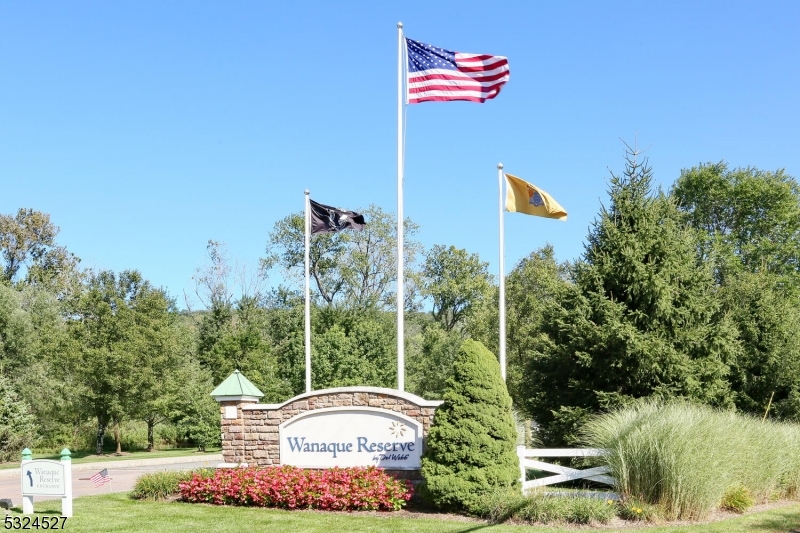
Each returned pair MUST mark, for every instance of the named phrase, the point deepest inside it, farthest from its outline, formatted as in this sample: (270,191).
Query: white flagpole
(502,298)
(400,277)
(308,294)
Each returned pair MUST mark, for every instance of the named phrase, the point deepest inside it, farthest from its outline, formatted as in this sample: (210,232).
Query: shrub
(159,485)
(471,443)
(737,499)
(199,422)
(132,435)
(17,424)
(288,487)
(166,434)
(637,510)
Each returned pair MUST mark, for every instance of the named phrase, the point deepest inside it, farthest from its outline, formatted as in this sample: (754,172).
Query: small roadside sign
(43,477)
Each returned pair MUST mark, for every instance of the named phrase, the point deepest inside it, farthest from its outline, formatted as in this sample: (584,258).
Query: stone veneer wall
(252,437)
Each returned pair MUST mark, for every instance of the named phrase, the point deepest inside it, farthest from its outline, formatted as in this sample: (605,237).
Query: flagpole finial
(400,25)
(499,166)
(307,193)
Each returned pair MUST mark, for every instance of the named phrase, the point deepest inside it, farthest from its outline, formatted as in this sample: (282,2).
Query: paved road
(123,476)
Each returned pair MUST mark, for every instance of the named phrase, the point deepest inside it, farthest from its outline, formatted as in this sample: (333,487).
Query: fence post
(27,501)
(66,500)
(521,457)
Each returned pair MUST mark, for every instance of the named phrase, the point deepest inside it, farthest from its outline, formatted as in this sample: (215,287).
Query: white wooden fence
(528,458)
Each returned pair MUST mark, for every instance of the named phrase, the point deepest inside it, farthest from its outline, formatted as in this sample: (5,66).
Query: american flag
(436,74)
(100,478)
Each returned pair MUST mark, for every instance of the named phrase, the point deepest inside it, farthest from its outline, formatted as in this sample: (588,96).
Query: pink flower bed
(289,487)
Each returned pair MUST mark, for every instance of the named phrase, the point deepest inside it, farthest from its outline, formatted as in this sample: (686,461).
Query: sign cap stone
(236,385)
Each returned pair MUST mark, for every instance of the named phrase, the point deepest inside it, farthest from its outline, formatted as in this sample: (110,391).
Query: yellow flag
(522,197)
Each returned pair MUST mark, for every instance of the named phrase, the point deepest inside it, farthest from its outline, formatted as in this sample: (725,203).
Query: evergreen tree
(471,443)
(641,320)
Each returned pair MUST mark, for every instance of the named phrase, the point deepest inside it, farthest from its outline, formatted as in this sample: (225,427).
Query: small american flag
(100,478)
(436,74)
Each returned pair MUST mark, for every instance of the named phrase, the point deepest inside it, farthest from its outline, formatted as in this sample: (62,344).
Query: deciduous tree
(28,247)
(123,329)
(430,364)
(356,269)
(535,285)
(750,223)
(17,425)
(456,281)
(233,329)
(750,218)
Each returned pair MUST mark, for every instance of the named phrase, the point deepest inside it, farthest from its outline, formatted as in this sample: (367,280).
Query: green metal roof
(237,385)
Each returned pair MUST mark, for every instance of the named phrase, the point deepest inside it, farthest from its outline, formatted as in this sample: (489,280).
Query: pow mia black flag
(326,219)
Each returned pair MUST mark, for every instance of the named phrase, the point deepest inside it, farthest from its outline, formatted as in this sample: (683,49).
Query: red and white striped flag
(435,74)
(100,478)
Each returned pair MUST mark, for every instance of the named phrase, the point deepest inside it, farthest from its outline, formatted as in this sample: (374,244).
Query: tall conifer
(641,320)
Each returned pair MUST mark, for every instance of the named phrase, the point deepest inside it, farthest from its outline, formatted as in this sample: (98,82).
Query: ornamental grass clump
(163,485)
(546,509)
(537,507)
(790,478)
(685,458)
(289,487)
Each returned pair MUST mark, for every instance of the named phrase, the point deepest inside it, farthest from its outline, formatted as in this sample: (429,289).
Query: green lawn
(86,457)
(117,513)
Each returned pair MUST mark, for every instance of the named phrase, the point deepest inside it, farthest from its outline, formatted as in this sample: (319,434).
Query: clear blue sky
(145,128)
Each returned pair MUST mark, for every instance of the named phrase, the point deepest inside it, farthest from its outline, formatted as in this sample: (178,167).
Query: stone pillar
(233,394)
(233,431)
